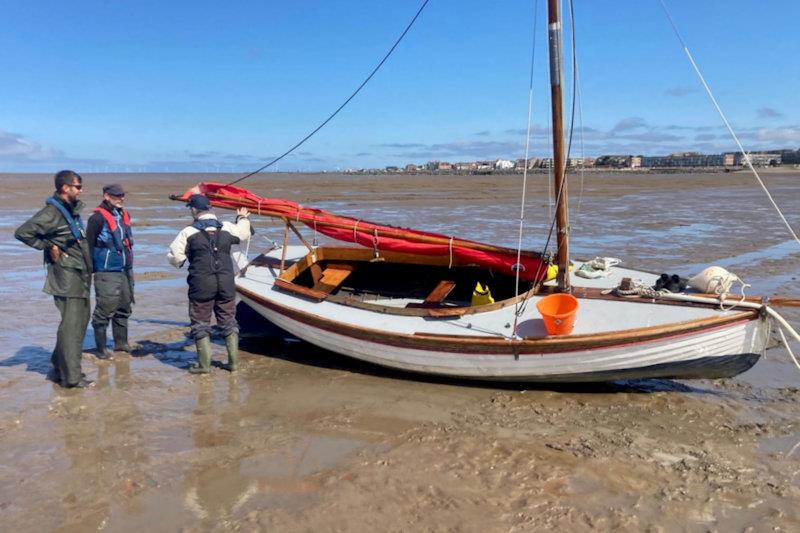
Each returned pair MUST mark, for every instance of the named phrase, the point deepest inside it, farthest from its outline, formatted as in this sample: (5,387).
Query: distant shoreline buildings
(678,160)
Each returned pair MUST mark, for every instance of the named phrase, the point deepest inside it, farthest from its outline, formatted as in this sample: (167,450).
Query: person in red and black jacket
(111,242)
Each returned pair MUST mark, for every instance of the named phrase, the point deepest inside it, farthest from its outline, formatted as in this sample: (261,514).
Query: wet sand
(305,440)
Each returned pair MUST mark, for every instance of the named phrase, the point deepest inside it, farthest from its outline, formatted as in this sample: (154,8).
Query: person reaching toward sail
(206,244)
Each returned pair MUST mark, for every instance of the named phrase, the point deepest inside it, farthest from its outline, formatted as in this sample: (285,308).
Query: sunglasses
(77,186)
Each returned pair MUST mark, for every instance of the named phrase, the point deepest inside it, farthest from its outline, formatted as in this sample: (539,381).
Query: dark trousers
(113,300)
(200,317)
(67,354)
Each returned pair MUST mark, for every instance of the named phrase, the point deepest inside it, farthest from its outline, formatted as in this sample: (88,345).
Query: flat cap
(114,189)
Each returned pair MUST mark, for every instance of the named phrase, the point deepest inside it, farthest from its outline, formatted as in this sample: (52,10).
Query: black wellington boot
(102,350)
(120,334)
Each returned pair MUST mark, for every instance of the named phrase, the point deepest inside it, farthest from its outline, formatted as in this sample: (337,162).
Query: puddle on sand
(303,439)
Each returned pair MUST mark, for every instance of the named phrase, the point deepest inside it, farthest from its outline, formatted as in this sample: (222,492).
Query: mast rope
(525,170)
(349,98)
(725,120)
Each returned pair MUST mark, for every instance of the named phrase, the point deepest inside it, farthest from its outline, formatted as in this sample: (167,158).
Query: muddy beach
(301,439)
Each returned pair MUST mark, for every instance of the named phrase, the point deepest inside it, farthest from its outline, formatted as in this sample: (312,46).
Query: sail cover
(377,236)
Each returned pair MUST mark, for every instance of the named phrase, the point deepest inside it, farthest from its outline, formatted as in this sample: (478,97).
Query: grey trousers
(67,354)
(113,299)
(200,317)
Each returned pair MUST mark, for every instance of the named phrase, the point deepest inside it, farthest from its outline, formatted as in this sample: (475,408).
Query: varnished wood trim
(300,290)
(503,345)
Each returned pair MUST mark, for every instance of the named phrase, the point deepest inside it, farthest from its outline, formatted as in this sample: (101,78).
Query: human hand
(242,212)
(56,253)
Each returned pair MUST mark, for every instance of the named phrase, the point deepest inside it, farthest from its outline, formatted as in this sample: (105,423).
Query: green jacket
(71,277)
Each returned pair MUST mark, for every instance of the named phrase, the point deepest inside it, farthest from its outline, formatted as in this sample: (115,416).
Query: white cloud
(775,135)
(15,148)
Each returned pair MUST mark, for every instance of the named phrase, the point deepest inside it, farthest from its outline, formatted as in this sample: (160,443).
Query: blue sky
(224,86)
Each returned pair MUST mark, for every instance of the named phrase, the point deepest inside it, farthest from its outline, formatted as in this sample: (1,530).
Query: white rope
(450,248)
(725,120)
(355,238)
(788,349)
(525,170)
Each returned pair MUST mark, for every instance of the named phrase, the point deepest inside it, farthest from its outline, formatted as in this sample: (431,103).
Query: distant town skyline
(179,86)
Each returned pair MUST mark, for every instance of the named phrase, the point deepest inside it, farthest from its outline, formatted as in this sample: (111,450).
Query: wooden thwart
(437,295)
(333,276)
(440,292)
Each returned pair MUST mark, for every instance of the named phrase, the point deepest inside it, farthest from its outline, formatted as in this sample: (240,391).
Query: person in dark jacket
(206,244)
(110,238)
(58,231)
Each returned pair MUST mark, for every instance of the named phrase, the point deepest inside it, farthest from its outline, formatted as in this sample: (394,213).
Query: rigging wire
(725,119)
(582,170)
(353,95)
(518,265)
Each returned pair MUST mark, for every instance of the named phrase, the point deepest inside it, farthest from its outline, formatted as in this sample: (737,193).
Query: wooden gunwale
(358,254)
(502,345)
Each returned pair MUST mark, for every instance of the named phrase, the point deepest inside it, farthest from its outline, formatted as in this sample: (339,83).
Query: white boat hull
(722,352)
(626,339)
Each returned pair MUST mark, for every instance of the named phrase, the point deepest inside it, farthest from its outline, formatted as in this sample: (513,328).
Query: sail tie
(450,249)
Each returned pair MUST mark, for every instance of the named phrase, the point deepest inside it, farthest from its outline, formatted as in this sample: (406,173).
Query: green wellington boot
(203,365)
(232,344)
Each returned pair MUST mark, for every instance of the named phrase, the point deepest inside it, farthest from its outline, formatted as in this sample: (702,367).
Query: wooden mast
(559,161)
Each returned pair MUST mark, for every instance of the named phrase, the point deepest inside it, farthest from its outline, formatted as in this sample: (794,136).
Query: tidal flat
(301,439)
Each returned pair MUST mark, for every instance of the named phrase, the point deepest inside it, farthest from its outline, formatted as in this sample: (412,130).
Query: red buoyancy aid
(112,223)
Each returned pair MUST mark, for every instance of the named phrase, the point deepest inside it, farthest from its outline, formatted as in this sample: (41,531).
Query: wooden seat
(440,292)
(332,276)
(437,295)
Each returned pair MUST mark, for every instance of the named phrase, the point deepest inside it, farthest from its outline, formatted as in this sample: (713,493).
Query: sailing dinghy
(404,299)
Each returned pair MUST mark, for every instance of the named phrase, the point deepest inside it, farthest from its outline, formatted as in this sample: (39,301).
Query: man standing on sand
(207,245)
(57,229)
(110,239)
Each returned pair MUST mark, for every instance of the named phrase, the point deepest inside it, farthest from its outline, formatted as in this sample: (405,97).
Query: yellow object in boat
(481,295)
(552,271)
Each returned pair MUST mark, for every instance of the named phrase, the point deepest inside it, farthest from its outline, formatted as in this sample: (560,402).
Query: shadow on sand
(36,359)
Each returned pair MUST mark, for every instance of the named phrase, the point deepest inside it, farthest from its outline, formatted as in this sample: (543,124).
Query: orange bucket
(559,312)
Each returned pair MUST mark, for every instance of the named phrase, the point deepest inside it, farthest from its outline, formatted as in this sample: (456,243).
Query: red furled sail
(377,236)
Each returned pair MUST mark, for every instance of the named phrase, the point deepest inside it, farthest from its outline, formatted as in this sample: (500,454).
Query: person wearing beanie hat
(110,237)
(206,244)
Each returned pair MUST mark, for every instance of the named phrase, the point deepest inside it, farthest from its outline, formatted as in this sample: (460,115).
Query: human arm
(39,230)
(241,228)
(177,249)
